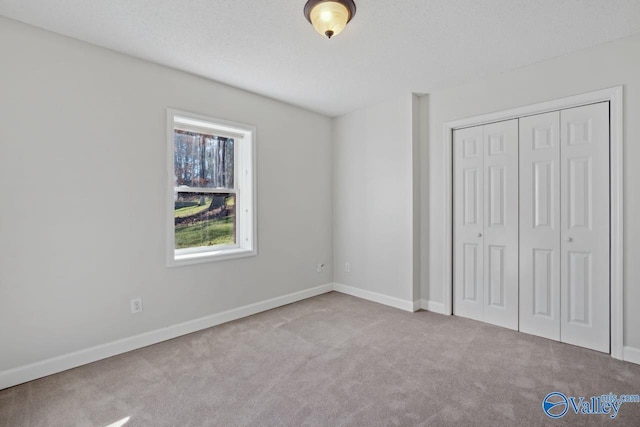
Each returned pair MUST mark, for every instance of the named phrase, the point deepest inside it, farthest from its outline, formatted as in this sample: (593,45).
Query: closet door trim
(614,96)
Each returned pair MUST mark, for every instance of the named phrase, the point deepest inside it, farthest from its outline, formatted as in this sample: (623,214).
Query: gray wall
(375,186)
(82,181)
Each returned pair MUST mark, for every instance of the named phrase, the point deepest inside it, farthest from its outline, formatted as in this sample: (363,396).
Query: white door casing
(540,225)
(614,96)
(585,241)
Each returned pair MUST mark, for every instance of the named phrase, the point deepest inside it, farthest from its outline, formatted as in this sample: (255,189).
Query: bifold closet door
(564,226)
(585,236)
(486,223)
(468,248)
(540,225)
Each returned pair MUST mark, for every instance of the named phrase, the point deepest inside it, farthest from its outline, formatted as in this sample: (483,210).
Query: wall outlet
(136,305)
(347,267)
(319,267)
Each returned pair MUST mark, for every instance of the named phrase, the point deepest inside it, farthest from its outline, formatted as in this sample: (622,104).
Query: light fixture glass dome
(329,17)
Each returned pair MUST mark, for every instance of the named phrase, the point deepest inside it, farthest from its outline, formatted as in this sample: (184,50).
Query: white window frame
(244,188)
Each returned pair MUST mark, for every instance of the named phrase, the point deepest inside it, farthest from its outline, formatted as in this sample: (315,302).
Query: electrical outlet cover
(136,305)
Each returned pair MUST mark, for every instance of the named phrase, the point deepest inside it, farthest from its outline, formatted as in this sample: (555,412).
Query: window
(211,195)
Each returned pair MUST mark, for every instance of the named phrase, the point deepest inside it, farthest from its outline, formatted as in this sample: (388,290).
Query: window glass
(203,161)
(204,219)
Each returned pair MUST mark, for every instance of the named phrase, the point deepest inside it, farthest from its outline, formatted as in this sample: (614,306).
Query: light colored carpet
(332,360)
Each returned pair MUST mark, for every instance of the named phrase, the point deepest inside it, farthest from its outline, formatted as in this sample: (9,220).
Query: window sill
(213,256)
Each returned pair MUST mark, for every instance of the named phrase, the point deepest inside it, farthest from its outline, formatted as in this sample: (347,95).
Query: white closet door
(501,224)
(540,225)
(585,226)
(468,211)
(486,223)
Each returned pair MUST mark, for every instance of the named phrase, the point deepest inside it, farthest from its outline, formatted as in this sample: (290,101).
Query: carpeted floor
(332,360)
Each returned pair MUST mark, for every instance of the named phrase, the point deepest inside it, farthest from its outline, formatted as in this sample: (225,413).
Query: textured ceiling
(391,47)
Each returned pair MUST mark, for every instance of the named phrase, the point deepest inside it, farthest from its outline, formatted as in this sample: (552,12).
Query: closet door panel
(585,226)
(540,225)
(501,224)
(468,184)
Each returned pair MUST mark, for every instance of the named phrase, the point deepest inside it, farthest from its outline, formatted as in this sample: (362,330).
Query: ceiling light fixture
(329,17)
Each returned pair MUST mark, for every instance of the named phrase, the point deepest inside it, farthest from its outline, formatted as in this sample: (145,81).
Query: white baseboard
(433,306)
(631,354)
(375,297)
(22,374)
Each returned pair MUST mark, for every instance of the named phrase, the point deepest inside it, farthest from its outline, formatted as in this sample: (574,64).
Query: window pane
(204,161)
(204,219)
